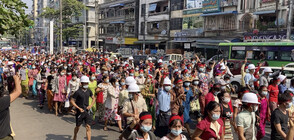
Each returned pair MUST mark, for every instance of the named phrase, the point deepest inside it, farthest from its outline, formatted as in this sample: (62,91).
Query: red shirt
(93,69)
(273,93)
(68,78)
(209,133)
(209,97)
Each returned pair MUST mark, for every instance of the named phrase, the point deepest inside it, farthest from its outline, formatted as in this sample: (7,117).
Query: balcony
(229,3)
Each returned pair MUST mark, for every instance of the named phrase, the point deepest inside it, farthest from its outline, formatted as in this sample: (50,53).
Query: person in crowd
(195,106)
(48,84)
(59,89)
(164,101)
(93,87)
(5,101)
(263,111)
(212,95)
(175,125)
(203,78)
(103,88)
(282,86)
(33,72)
(279,117)
(249,77)
(211,127)
(80,100)
(111,104)
(150,97)
(134,105)
(141,79)
(73,86)
(140,128)
(24,80)
(273,91)
(186,103)
(244,69)
(41,87)
(226,114)
(246,119)
(264,79)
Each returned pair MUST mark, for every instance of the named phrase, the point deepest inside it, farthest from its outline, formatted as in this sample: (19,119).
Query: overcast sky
(29,5)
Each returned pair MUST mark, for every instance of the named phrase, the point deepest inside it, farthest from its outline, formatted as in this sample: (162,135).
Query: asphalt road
(31,123)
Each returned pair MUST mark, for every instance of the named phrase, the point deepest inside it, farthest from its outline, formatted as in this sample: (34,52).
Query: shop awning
(117,22)
(152,7)
(116,5)
(148,42)
(264,12)
(219,13)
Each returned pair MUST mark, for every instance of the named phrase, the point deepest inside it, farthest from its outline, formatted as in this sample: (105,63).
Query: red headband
(148,116)
(175,118)
(180,80)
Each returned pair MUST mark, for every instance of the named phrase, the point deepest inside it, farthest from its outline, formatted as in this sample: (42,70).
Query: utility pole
(290,16)
(85,26)
(97,23)
(277,17)
(60,25)
(144,35)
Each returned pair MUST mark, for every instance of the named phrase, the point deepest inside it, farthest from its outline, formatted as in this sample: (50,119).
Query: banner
(210,6)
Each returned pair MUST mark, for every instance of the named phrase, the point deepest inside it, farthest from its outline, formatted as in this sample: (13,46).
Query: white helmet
(281,77)
(150,59)
(133,88)
(251,66)
(130,80)
(267,69)
(85,79)
(131,58)
(250,98)
(160,61)
(167,81)
(10,63)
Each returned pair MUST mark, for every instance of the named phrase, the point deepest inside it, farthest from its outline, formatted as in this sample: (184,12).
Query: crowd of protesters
(154,100)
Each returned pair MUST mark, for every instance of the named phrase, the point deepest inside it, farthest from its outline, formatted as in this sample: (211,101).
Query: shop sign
(193,4)
(109,40)
(267,36)
(130,41)
(192,11)
(187,45)
(209,6)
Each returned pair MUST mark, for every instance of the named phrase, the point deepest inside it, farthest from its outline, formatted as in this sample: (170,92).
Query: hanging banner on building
(209,6)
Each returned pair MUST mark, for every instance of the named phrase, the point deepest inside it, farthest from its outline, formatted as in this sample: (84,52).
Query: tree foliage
(13,17)
(70,10)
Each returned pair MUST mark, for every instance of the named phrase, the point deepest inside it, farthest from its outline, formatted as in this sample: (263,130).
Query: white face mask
(226,100)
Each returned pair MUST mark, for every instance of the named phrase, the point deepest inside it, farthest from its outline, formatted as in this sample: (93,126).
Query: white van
(173,57)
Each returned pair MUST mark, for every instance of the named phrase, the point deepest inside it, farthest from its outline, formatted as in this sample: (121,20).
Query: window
(238,54)
(155,25)
(176,23)
(143,9)
(289,74)
(142,28)
(270,55)
(286,56)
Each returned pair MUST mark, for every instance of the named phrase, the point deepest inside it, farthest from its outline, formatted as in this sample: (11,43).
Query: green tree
(13,17)
(70,9)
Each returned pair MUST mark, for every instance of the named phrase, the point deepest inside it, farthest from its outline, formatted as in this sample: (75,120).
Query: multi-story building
(118,23)
(154,24)
(41,24)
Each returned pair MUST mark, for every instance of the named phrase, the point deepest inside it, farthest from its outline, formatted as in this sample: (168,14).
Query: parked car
(288,72)
(173,57)
(290,65)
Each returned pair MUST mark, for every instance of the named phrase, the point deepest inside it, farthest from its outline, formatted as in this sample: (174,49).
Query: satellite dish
(281,22)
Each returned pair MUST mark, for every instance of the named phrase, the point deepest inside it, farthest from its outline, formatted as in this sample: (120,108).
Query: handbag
(66,105)
(99,98)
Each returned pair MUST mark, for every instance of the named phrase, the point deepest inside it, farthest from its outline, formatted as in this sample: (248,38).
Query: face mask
(201,69)
(93,78)
(107,81)
(131,74)
(176,70)
(65,67)
(105,72)
(187,84)
(223,88)
(69,73)
(148,80)
(167,88)
(196,82)
(131,96)
(86,86)
(141,75)
(176,132)
(116,84)
(137,69)
(215,117)
(34,67)
(69,65)
(264,93)
(123,83)
(74,78)
(146,128)
(187,75)
(289,105)
(62,73)
(226,100)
